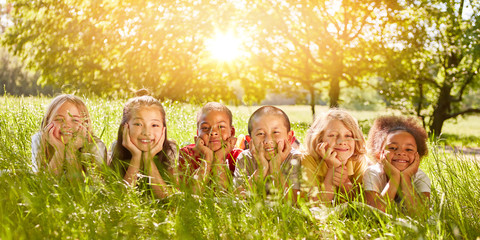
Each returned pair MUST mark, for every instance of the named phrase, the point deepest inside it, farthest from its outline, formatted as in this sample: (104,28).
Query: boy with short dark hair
(214,149)
(271,156)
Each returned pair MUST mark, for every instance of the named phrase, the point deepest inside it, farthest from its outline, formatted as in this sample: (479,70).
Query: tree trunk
(420,103)
(441,111)
(312,101)
(334,91)
(337,71)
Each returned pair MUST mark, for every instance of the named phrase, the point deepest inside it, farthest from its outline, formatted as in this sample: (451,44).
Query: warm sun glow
(224,47)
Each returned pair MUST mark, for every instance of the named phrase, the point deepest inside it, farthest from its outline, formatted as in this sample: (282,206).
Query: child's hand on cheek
(127,143)
(53,137)
(389,169)
(226,148)
(79,137)
(259,155)
(283,149)
(328,155)
(157,145)
(413,168)
(201,149)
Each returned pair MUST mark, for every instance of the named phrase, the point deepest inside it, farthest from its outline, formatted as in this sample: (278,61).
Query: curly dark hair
(385,125)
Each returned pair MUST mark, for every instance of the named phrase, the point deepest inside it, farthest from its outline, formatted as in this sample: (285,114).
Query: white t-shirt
(97,150)
(375,180)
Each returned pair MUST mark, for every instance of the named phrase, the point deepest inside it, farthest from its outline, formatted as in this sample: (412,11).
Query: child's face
(145,127)
(67,121)
(340,138)
(400,149)
(269,129)
(214,128)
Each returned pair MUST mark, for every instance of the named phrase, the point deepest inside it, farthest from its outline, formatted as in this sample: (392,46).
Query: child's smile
(146,126)
(400,147)
(269,129)
(340,138)
(214,128)
(67,120)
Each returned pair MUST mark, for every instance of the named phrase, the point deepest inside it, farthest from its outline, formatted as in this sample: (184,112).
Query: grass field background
(41,206)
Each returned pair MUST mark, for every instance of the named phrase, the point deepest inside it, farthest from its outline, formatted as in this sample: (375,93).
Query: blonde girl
(66,142)
(397,144)
(142,150)
(335,160)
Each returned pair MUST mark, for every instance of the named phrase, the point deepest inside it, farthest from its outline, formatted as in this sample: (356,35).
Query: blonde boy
(213,154)
(271,156)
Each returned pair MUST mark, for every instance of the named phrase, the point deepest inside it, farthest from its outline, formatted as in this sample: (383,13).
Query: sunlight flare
(224,46)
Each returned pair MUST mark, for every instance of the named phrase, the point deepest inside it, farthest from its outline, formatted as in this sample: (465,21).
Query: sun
(224,46)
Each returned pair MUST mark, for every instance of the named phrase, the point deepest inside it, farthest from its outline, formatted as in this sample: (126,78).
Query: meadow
(100,207)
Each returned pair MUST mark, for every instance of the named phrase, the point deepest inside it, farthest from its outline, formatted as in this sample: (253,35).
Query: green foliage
(311,46)
(108,48)
(431,60)
(99,206)
(16,80)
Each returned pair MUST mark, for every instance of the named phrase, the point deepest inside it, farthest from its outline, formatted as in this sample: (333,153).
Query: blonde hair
(52,108)
(317,130)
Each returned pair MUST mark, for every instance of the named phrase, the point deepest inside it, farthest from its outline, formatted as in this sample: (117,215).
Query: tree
(16,80)
(432,60)
(110,47)
(315,44)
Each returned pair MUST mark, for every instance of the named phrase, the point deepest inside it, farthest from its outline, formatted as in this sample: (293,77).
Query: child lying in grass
(270,158)
(335,161)
(65,143)
(142,150)
(213,154)
(398,144)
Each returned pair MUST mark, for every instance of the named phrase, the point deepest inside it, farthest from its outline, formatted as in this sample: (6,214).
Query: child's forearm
(158,184)
(133,169)
(391,189)
(412,199)
(261,172)
(206,167)
(56,163)
(374,199)
(201,175)
(73,163)
(276,172)
(327,194)
(222,172)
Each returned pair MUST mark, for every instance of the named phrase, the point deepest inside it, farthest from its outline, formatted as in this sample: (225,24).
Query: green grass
(40,206)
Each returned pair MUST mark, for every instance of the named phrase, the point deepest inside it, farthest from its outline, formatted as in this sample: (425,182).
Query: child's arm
(62,152)
(414,201)
(206,155)
(388,193)
(158,184)
(245,168)
(343,183)
(331,180)
(240,174)
(275,165)
(134,166)
(262,162)
(221,166)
